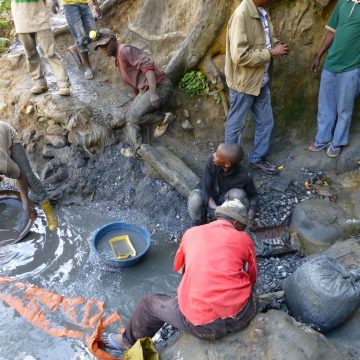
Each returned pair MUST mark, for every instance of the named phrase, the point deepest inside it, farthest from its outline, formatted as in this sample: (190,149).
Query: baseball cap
(103,36)
(233,209)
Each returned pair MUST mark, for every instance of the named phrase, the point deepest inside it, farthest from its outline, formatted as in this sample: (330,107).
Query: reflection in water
(60,261)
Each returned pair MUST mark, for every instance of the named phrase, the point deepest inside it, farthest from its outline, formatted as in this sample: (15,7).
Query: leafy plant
(195,83)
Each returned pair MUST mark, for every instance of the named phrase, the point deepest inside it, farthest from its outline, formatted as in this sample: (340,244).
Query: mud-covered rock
(270,336)
(58,141)
(318,223)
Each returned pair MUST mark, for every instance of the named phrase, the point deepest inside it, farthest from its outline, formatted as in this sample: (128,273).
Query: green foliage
(4,7)
(196,83)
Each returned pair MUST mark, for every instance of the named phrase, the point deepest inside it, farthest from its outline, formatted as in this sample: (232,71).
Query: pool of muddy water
(61,261)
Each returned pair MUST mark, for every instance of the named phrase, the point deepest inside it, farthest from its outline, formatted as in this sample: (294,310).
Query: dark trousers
(19,156)
(141,112)
(154,310)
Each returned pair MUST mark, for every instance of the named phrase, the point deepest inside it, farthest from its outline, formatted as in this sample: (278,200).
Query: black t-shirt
(217,183)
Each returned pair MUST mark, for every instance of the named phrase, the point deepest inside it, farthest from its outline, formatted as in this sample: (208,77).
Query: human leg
(196,208)
(46,41)
(240,105)
(33,62)
(264,120)
(19,156)
(327,109)
(348,87)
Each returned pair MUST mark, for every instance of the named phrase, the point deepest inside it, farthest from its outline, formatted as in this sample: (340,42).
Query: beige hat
(233,209)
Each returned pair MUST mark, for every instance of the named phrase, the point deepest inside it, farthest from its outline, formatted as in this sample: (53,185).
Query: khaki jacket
(246,52)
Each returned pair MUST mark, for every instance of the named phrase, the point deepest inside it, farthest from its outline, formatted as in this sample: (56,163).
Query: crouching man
(14,164)
(220,259)
(224,179)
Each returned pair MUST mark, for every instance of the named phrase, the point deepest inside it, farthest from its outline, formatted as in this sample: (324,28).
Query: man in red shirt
(215,295)
(150,84)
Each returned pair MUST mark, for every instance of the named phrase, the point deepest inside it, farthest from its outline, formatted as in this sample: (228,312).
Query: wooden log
(172,169)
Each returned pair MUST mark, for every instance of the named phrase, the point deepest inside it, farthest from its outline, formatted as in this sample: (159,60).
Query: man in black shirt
(224,179)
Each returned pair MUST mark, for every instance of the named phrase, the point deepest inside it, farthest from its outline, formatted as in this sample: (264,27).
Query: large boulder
(271,336)
(318,223)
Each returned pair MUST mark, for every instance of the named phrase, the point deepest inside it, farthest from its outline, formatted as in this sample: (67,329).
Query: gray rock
(56,140)
(271,336)
(57,130)
(318,223)
(50,151)
(186,125)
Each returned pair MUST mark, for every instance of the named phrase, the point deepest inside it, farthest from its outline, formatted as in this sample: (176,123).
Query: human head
(227,155)
(235,212)
(106,41)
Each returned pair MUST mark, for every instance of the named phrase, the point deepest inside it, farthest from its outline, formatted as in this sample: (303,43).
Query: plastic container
(102,246)
(122,247)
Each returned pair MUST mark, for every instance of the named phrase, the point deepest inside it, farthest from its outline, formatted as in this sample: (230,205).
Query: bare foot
(75,54)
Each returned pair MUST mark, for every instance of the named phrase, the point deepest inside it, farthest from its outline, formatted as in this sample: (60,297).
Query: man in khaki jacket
(250,45)
(32,25)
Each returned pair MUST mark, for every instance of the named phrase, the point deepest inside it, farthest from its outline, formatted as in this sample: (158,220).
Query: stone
(271,336)
(186,125)
(29,109)
(186,113)
(318,224)
(50,151)
(54,129)
(56,141)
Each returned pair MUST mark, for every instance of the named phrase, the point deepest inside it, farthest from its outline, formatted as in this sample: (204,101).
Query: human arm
(97,10)
(154,97)
(329,37)
(252,261)
(179,261)
(55,6)
(253,197)
(208,183)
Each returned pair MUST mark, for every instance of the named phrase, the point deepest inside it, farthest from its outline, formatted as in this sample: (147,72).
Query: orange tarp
(79,318)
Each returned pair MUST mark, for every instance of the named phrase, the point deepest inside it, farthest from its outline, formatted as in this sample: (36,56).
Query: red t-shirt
(132,64)
(219,269)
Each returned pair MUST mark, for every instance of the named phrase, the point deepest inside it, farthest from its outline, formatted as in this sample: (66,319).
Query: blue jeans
(81,21)
(338,92)
(260,106)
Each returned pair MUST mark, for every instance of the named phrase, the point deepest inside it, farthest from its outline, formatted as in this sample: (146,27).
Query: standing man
(32,25)
(216,295)
(81,21)
(250,45)
(340,78)
(14,164)
(150,84)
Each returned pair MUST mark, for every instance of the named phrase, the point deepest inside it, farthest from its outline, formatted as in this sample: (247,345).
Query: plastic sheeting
(76,318)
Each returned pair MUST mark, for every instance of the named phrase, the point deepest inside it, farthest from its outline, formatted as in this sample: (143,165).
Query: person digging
(152,86)
(14,164)
(220,259)
(224,178)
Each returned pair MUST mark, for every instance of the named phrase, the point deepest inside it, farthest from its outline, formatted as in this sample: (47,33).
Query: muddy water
(62,262)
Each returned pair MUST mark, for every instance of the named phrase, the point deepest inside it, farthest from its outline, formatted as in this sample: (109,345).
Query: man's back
(220,269)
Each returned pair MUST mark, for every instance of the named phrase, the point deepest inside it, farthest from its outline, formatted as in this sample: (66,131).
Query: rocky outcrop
(271,336)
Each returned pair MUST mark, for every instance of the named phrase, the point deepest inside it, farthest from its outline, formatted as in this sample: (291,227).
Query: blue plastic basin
(139,237)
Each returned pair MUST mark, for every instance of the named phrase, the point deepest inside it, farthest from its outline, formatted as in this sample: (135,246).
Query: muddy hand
(155,100)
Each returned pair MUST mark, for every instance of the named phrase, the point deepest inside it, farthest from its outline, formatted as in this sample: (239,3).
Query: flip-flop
(112,344)
(89,74)
(315,148)
(333,153)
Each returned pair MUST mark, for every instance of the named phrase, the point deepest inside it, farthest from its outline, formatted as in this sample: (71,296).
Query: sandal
(333,153)
(315,148)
